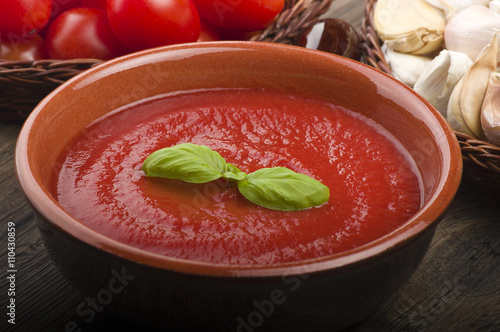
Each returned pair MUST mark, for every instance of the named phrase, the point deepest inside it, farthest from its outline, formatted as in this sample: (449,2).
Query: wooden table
(457,287)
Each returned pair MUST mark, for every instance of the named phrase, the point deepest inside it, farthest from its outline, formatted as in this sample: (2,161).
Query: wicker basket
(23,84)
(481,159)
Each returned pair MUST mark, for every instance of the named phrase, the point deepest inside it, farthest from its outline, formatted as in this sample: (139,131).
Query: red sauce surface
(373,185)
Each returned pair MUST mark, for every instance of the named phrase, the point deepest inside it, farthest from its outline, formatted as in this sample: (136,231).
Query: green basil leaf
(234,173)
(280,188)
(276,188)
(186,162)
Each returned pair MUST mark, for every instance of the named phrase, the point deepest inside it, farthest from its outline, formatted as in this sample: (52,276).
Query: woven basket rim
(23,84)
(481,154)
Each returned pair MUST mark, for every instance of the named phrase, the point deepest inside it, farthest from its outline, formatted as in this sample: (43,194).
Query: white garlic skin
(409,26)
(466,100)
(440,76)
(490,112)
(470,30)
(407,68)
(456,5)
(495,6)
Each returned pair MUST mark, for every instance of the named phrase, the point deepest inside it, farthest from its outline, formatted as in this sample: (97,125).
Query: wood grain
(457,287)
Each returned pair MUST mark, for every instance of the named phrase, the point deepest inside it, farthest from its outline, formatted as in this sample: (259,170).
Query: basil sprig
(277,188)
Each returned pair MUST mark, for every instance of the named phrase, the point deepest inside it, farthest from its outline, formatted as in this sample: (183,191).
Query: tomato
(31,49)
(59,7)
(103,4)
(245,15)
(208,33)
(227,34)
(83,33)
(22,18)
(141,24)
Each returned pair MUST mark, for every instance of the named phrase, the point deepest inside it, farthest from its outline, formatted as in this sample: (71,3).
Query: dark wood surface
(456,288)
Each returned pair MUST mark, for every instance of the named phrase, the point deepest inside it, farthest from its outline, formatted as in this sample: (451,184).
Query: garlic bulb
(490,112)
(405,67)
(469,30)
(438,79)
(450,7)
(464,107)
(409,26)
(494,6)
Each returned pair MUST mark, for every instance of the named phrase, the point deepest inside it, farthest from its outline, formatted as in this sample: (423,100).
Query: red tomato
(227,34)
(23,17)
(59,7)
(31,49)
(245,15)
(208,33)
(83,33)
(103,4)
(141,24)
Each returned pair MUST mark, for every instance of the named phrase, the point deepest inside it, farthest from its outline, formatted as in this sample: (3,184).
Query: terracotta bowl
(156,291)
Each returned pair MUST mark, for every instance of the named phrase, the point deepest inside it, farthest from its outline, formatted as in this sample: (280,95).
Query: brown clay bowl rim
(425,220)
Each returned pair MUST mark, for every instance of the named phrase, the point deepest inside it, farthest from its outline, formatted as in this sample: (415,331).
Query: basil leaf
(186,162)
(234,173)
(280,188)
(276,188)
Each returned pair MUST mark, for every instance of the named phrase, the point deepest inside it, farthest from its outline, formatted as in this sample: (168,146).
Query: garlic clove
(469,30)
(405,67)
(417,42)
(440,77)
(413,27)
(450,7)
(490,112)
(494,6)
(464,106)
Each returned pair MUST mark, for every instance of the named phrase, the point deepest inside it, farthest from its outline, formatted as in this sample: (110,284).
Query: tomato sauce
(373,184)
